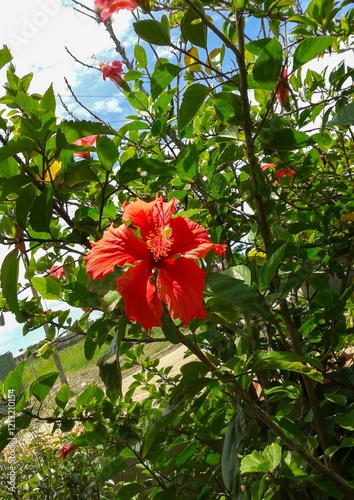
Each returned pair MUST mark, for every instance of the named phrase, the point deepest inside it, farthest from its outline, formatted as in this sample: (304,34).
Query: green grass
(74,361)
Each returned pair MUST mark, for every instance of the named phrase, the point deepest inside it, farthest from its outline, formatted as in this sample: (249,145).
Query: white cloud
(37,32)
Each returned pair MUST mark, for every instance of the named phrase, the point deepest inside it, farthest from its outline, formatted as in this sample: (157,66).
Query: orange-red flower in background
(267,165)
(66,449)
(282,172)
(89,140)
(113,71)
(285,172)
(57,271)
(283,91)
(160,257)
(109,7)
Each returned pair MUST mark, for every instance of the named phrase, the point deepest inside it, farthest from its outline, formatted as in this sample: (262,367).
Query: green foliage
(264,409)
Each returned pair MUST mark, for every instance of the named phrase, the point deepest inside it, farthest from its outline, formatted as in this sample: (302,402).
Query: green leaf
(96,336)
(271,266)
(169,329)
(138,100)
(140,56)
(262,462)
(112,469)
(129,491)
(310,48)
(13,380)
(228,108)
(346,420)
(5,56)
(152,32)
(41,387)
(286,139)
(9,167)
(109,364)
(240,272)
(22,422)
(63,396)
(193,371)
(267,67)
(14,147)
(230,464)
(192,99)
(162,76)
(107,152)
(48,100)
(110,301)
(90,438)
(41,212)
(288,361)
(344,116)
(74,130)
(238,293)
(193,29)
(338,399)
(87,396)
(187,163)
(13,185)
(9,279)
(140,168)
(48,287)
(24,203)
(80,175)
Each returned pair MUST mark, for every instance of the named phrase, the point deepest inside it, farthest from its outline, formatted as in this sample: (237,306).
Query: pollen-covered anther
(160,243)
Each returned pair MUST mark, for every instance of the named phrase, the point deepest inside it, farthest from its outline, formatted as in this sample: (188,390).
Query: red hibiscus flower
(112,71)
(85,141)
(267,165)
(66,449)
(109,7)
(282,172)
(283,91)
(161,259)
(56,271)
(285,172)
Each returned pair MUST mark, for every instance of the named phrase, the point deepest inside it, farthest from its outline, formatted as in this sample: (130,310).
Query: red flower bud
(66,449)
(283,91)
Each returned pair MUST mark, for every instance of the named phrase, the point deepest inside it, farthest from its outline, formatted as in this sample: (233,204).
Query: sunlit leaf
(9,281)
(5,56)
(41,387)
(192,100)
(190,60)
(238,293)
(152,32)
(268,65)
(42,209)
(344,116)
(48,287)
(193,30)
(309,48)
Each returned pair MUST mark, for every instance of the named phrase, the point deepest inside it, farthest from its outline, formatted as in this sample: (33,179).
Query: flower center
(160,242)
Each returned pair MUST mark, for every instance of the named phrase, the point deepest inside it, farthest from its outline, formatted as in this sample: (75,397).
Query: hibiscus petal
(109,7)
(117,247)
(142,302)
(191,240)
(149,217)
(180,284)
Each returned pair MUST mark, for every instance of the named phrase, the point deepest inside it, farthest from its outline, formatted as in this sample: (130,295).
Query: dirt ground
(170,356)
